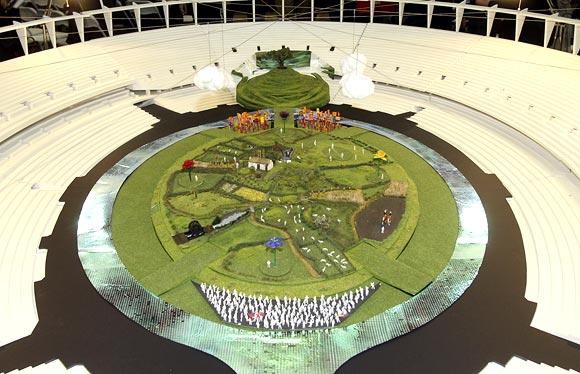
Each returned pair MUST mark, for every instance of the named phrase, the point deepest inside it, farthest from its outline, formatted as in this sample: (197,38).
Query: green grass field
(158,200)
(434,237)
(299,90)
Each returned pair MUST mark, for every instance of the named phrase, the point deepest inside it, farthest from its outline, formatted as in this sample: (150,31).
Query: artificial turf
(405,262)
(433,239)
(283,88)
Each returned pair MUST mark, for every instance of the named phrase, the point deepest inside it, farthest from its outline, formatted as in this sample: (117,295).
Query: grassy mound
(283,88)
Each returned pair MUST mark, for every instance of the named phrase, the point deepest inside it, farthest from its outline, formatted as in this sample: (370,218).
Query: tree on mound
(281,56)
(282,59)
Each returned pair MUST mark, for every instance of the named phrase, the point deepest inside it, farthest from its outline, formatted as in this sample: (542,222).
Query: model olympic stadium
(289,188)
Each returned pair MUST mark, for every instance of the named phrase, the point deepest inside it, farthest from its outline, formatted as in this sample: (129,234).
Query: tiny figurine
(384,221)
(195,229)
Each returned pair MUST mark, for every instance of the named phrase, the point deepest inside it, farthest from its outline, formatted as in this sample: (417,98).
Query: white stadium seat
(532,91)
(192,99)
(517,365)
(52,367)
(31,193)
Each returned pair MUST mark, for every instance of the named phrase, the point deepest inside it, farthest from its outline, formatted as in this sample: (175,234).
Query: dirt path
(295,251)
(306,263)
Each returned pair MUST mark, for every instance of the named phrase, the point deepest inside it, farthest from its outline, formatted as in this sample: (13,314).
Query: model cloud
(353,63)
(354,83)
(214,78)
(357,86)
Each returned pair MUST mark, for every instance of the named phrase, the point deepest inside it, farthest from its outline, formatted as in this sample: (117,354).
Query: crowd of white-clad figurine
(285,313)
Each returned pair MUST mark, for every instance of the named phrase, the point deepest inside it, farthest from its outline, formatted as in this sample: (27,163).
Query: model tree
(273,245)
(280,56)
(188,166)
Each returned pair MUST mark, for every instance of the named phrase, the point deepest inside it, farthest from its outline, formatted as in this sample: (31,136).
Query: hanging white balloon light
(353,63)
(214,78)
(354,83)
(356,86)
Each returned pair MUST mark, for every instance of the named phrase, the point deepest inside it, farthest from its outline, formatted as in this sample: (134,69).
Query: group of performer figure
(325,121)
(286,313)
(316,120)
(386,220)
(250,122)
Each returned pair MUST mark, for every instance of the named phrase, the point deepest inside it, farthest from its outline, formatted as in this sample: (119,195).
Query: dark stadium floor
(490,322)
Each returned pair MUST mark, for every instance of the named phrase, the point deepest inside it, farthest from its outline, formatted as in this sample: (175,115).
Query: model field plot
(350,207)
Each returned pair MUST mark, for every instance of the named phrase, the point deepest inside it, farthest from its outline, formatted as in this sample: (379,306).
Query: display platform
(380,229)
